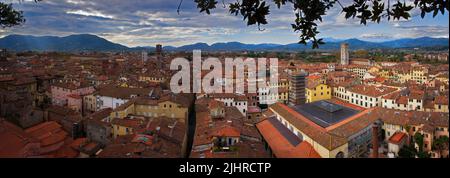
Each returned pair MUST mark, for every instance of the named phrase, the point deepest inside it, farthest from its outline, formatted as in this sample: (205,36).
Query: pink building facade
(70,94)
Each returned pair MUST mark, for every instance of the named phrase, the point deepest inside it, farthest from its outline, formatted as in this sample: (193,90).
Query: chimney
(375,141)
(157,134)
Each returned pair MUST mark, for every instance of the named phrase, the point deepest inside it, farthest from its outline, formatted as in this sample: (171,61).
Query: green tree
(308,12)
(407,151)
(418,138)
(9,16)
(423,154)
(441,144)
(361,53)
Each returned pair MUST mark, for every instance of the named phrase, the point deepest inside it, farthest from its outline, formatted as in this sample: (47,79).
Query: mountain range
(86,42)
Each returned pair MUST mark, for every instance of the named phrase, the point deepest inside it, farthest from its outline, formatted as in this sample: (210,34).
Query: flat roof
(293,139)
(325,113)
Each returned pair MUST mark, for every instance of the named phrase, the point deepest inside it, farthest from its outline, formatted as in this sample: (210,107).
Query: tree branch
(179,6)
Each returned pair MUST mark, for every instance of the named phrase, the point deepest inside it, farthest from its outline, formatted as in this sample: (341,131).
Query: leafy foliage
(206,5)
(308,12)
(418,138)
(407,152)
(10,17)
(441,143)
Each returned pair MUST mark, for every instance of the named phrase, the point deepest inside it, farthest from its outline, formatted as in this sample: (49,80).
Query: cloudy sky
(147,22)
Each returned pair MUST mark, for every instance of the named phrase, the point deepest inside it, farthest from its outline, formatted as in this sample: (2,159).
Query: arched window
(340,155)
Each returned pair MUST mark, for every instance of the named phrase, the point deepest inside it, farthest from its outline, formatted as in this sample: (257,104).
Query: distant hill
(84,42)
(81,42)
(417,42)
(331,44)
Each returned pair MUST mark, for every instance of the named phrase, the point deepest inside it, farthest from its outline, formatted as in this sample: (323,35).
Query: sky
(149,22)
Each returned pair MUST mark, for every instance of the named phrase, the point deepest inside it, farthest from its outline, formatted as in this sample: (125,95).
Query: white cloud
(414,31)
(156,16)
(90,13)
(144,23)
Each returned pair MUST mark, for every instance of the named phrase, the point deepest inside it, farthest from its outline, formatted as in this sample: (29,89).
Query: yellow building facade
(419,75)
(144,108)
(440,108)
(151,108)
(318,92)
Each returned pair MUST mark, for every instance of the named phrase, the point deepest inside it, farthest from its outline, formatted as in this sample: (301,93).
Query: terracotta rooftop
(123,93)
(14,140)
(371,90)
(48,133)
(346,104)
(101,114)
(308,127)
(281,146)
(397,137)
(442,100)
(330,137)
(416,118)
(227,131)
(127,122)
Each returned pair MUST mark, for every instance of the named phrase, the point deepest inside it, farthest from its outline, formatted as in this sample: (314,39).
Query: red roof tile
(397,137)
(227,131)
(281,147)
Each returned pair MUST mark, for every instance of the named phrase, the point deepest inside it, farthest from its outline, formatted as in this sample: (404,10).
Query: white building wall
(242,106)
(109,102)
